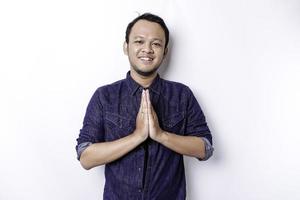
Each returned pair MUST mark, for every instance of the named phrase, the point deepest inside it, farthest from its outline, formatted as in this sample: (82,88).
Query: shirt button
(139,169)
(140,190)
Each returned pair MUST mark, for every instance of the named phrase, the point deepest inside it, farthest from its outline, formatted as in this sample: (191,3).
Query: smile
(146,58)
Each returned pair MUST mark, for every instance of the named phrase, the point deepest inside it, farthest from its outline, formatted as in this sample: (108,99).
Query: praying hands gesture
(146,126)
(147,122)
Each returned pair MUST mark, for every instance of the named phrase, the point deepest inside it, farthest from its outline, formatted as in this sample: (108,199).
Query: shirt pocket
(174,123)
(117,126)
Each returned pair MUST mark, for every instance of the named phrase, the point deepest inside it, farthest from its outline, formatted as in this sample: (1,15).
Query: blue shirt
(151,170)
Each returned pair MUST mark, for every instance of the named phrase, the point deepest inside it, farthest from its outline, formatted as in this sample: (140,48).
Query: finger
(148,101)
(141,104)
(149,105)
(144,103)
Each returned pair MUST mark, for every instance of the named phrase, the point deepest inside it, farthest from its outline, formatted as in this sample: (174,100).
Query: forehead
(147,29)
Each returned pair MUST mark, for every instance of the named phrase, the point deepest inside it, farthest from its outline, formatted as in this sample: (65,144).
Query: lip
(146,58)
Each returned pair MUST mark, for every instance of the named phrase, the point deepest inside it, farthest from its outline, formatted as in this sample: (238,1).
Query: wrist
(139,137)
(162,137)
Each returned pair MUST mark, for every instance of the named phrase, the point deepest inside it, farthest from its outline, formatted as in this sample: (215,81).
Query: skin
(146,40)
(146,51)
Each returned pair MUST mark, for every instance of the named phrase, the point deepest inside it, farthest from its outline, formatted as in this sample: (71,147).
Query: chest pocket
(174,123)
(117,126)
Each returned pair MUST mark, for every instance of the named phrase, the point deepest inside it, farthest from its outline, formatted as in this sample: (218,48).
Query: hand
(142,125)
(155,131)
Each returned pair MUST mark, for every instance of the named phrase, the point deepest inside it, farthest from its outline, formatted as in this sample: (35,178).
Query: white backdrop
(241,58)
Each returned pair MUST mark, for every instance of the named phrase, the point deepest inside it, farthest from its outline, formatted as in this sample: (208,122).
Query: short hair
(149,17)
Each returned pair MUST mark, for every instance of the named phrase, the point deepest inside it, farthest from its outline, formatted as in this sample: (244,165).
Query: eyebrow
(141,37)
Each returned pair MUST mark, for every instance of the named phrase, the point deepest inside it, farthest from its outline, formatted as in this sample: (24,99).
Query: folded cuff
(81,147)
(208,149)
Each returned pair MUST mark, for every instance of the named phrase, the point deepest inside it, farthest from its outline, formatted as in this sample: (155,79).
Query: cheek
(130,52)
(160,55)
(133,49)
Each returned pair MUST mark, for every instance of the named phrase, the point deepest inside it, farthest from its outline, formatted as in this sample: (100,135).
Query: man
(140,127)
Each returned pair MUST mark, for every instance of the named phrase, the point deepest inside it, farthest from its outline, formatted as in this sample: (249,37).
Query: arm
(104,152)
(187,145)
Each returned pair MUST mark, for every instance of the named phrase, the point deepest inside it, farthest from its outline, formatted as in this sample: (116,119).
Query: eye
(138,41)
(157,44)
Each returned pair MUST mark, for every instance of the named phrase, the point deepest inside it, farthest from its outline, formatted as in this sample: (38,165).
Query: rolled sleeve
(92,130)
(81,147)
(208,149)
(197,125)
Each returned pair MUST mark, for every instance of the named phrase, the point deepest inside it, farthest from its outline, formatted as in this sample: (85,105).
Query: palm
(154,128)
(142,124)
(147,121)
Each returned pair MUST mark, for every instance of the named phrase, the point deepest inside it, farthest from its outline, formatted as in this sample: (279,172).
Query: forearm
(106,152)
(186,145)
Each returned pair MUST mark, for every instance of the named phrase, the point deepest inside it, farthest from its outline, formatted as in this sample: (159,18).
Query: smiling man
(140,127)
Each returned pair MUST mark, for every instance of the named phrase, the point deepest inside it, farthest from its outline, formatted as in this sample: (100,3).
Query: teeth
(146,58)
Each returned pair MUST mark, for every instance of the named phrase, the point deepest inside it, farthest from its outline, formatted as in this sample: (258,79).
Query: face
(146,47)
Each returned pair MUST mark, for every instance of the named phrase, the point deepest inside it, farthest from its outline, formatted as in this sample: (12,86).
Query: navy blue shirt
(151,170)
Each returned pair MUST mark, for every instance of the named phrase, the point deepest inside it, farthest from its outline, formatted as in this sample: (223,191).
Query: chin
(145,72)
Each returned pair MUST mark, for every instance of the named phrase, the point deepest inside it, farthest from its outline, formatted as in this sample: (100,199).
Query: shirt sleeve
(81,147)
(196,125)
(208,150)
(92,130)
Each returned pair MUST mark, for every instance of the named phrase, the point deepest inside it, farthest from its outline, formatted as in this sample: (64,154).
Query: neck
(144,81)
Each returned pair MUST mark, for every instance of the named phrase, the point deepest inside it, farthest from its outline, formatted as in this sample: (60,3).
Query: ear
(166,51)
(125,48)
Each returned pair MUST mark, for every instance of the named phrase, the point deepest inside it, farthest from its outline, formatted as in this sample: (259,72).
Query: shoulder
(175,87)
(175,92)
(110,87)
(108,91)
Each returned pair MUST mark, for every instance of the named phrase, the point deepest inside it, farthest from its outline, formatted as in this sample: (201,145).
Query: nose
(147,48)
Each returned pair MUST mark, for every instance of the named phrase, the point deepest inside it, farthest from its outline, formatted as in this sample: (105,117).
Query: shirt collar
(134,86)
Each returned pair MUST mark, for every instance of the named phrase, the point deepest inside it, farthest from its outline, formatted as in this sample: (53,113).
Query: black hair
(152,18)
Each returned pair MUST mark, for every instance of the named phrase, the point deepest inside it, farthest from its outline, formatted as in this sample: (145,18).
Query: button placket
(140,169)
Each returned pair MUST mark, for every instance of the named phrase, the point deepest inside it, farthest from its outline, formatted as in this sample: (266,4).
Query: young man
(140,127)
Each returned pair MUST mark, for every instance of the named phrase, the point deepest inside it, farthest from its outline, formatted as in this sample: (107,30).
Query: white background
(241,58)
